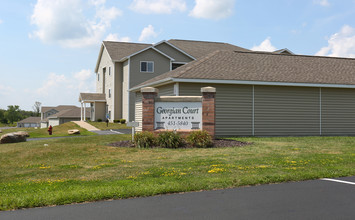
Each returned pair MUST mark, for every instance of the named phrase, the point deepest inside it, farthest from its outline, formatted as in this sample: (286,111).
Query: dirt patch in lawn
(216,143)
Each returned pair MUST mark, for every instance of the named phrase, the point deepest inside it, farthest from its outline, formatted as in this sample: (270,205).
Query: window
(109,71)
(147,66)
(109,93)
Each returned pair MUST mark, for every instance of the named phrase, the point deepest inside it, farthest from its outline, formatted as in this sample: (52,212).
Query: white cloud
(212,9)
(64,22)
(115,37)
(158,6)
(265,46)
(323,3)
(340,44)
(147,33)
(60,89)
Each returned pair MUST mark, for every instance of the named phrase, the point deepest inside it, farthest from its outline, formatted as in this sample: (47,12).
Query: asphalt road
(316,199)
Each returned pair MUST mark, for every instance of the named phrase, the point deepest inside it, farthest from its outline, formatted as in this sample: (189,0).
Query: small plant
(169,139)
(116,121)
(99,120)
(200,139)
(123,121)
(144,139)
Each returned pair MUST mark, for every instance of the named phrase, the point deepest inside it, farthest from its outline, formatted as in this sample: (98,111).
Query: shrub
(144,139)
(169,139)
(99,120)
(116,121)
(123,121)
(200,139)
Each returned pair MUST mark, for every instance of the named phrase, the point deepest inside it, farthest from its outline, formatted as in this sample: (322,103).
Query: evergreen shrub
(144,139)
(169,139)
(200,139)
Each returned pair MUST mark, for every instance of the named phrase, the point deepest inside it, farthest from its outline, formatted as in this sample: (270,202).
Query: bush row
(169,139)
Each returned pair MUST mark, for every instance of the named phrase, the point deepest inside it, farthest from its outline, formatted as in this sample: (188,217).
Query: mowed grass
(58,131)
(86,169)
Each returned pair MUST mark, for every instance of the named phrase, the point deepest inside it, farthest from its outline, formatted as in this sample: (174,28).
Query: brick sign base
(208,97)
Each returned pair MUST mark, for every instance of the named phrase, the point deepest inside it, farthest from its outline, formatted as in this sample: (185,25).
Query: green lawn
(58,131)
(86,169)
(103,125)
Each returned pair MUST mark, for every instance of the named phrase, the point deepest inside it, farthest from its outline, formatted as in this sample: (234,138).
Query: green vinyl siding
(282,111)
(233,107)
(338,111)
(166,90)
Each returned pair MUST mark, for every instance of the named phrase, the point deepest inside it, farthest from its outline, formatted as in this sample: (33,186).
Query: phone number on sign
(177,123)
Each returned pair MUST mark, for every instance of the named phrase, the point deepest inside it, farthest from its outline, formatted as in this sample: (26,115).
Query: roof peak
(292,55)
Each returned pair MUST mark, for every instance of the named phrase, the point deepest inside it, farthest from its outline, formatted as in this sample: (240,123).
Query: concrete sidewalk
(86,125)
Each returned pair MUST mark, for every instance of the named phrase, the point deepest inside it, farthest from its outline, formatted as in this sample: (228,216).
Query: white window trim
(140,66)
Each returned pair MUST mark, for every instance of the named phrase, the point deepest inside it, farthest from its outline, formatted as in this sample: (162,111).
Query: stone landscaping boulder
(14,137)
(23,133)
(74,131)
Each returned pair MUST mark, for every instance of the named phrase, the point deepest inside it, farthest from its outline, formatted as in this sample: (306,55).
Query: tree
(2,116)
(37,108)
(12,113)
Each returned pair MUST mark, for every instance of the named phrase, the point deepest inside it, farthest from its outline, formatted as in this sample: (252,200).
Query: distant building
(61,114)
(29,122)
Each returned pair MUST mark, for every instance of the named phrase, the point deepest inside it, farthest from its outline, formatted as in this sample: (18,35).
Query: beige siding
(138,112)
(161,65)
(117,91)
(281,111)
(125,80)
(338,111)
(100,111)
(172,52)
(233,107)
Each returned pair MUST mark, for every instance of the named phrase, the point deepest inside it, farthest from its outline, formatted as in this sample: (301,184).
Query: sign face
(132,124)
(178,115)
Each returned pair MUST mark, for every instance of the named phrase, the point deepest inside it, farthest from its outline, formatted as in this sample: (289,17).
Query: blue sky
(49,47)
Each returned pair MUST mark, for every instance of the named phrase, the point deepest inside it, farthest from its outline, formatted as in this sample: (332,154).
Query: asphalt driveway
(314,199)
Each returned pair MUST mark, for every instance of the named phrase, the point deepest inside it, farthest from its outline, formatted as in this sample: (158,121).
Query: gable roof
(284,51)
(58,108)
(257,67)
(70,113)
(198,49)
(195,49)
(119,50)
(32,120)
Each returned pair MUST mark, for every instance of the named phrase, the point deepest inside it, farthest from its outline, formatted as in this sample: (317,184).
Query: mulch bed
(216,143)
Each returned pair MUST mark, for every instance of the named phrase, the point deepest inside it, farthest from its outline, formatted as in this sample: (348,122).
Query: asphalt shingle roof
(198,49)
(120,50)
(31,120)
(266,67)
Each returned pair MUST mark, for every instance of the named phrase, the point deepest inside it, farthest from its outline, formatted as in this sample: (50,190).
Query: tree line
(13,113)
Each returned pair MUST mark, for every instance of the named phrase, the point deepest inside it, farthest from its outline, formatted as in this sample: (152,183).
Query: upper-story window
(109,71)
(109,93)
(147,66)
